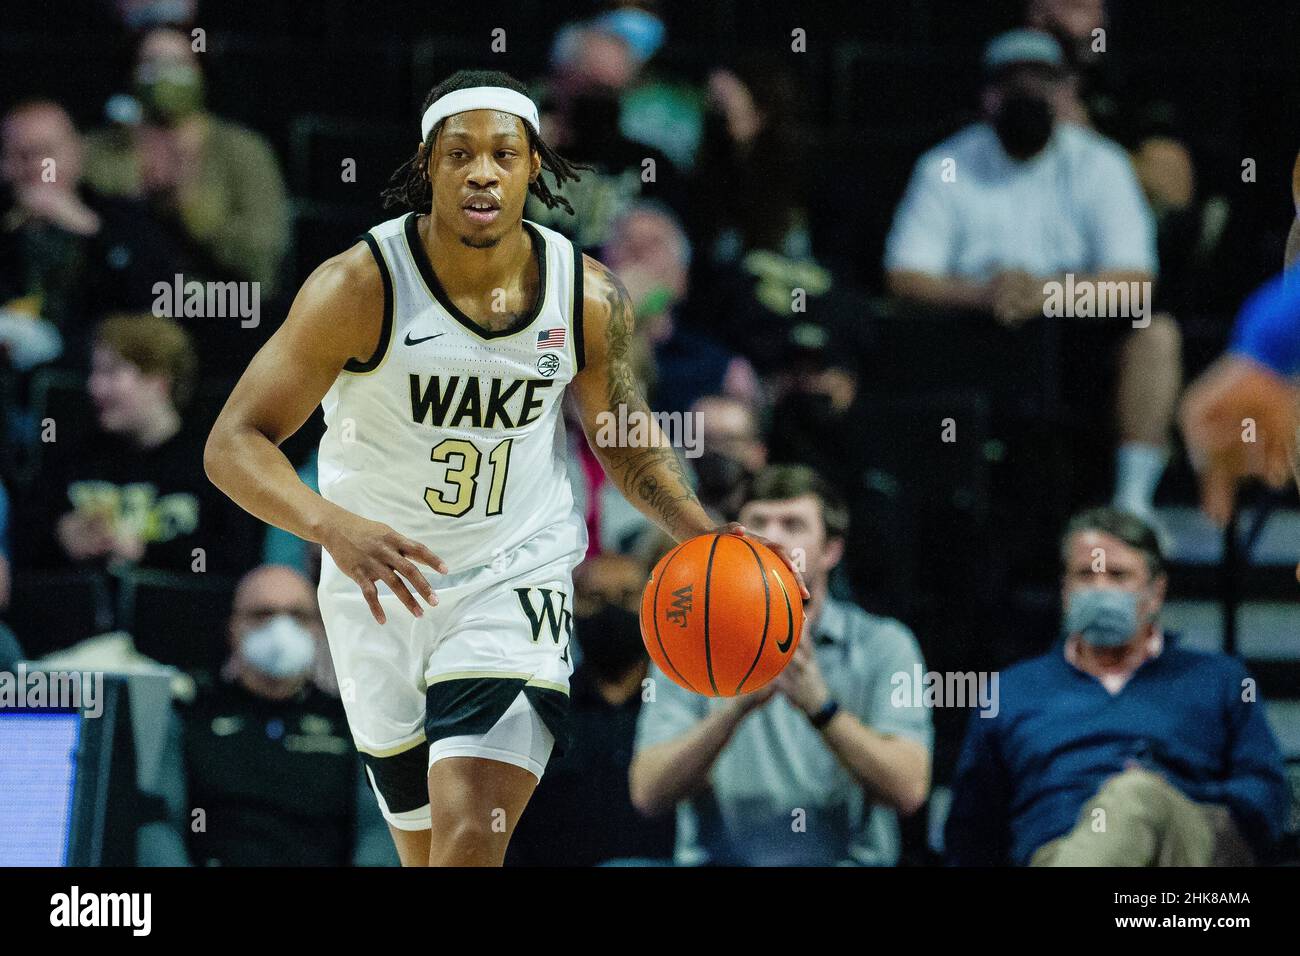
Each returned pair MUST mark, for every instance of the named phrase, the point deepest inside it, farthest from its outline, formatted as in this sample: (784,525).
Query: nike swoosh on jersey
(410,341)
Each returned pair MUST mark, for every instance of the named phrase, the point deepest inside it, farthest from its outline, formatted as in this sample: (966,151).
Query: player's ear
(422,160)
(534,166)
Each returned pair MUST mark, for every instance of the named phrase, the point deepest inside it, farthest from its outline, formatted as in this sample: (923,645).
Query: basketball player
(440,346)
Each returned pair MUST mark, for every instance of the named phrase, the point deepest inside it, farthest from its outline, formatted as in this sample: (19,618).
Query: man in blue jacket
(1118,747)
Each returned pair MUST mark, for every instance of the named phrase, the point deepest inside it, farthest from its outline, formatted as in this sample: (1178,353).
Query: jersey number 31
(458,500)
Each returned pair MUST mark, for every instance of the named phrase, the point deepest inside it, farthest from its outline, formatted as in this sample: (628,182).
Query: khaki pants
(1138,818)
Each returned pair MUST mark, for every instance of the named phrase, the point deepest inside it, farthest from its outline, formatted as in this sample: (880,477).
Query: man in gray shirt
(814,768)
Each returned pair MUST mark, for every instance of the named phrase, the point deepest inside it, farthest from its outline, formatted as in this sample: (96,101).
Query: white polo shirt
(971,211)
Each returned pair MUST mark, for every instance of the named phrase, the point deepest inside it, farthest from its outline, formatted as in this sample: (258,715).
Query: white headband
(480,98)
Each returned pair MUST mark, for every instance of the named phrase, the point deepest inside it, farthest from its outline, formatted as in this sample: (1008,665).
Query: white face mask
(280,648)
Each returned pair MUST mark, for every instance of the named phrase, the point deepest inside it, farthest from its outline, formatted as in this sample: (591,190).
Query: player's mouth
(481,208)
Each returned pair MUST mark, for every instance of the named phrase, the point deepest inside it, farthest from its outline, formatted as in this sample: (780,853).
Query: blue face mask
(1104,617)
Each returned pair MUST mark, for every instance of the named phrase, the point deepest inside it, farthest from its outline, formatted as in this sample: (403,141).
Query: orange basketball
(721,615)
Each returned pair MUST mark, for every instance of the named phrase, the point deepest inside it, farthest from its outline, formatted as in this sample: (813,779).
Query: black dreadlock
(408,185)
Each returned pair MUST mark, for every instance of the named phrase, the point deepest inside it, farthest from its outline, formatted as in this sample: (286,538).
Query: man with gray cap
(1118,747)
(1023,215)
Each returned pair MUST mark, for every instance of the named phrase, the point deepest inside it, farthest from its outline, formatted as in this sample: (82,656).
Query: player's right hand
(370,551)
(735,527)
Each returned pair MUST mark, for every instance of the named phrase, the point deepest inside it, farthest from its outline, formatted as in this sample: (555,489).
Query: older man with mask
(1023,206)
(1118,747)
(268,756)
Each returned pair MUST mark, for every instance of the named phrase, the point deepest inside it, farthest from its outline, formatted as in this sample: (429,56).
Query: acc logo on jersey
(548,364)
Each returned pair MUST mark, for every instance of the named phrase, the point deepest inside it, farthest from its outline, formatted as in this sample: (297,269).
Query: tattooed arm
(650,475)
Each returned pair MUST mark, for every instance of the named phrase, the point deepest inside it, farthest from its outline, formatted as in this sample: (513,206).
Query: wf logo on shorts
(558,621)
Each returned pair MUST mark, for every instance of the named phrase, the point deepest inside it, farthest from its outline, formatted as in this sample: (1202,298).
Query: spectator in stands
(268,756)
(581,813)
(1257,381)
(748,189)
(1194,221)
(611,580)
(657,109)
(1079,27)
(1163,163)
(649,252)
(751,220)
(215,180)
(133,491)
(825,736)
(580,117)
(1019,208)
(734,452)
(68,255)
(816,405)
(1169,747)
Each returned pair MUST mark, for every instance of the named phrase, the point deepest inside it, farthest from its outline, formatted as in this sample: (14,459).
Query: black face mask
(1024,125)
(719,475)
(611,642)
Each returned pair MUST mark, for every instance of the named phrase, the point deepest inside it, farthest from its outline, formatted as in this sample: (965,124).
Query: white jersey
(451,434)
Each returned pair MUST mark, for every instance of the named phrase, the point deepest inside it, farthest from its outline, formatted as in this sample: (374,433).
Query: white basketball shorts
(485,673)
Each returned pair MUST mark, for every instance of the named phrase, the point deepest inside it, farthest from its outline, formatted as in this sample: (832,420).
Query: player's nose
(482,174)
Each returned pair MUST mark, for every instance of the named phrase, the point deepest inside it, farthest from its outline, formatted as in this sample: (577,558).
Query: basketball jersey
(452,434)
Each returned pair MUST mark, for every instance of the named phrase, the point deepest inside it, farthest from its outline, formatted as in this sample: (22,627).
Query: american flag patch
(550,339)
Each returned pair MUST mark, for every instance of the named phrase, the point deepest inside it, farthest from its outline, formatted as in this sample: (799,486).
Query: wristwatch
(825,715)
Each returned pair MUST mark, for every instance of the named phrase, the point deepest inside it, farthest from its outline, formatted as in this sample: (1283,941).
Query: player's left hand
(736,528)
(801,682)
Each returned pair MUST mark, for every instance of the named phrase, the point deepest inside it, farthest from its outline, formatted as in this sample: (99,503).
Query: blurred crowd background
(732,177)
